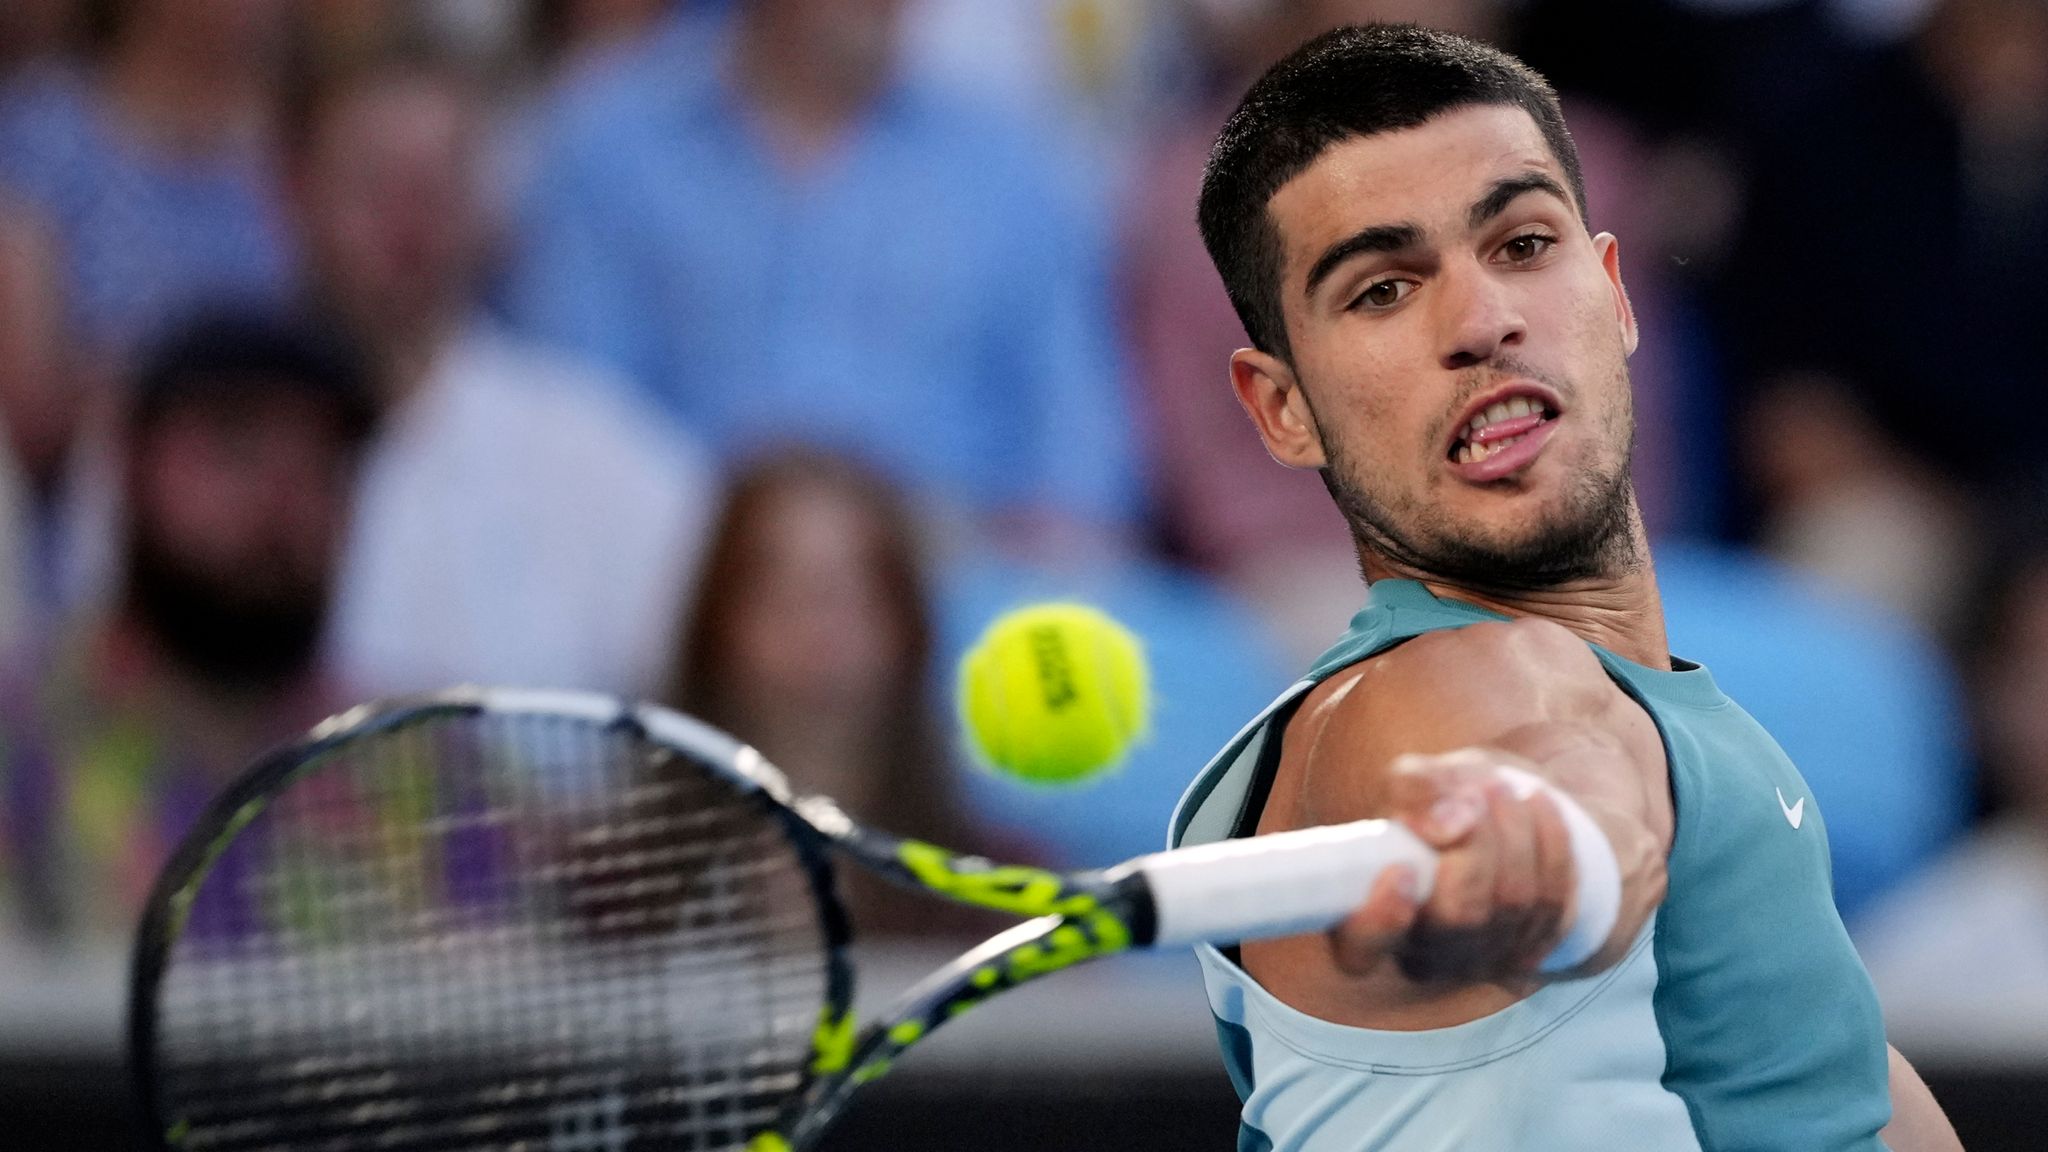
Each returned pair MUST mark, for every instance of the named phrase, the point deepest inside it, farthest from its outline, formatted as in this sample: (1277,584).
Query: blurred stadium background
(749,354)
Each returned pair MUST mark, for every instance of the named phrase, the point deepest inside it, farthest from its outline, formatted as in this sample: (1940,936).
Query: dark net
(493,932)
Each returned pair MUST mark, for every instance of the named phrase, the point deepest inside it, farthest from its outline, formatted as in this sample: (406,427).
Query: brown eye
(1523,249)
(1384,294)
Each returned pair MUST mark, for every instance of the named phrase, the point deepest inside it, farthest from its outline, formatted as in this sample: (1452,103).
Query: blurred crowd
(748,355)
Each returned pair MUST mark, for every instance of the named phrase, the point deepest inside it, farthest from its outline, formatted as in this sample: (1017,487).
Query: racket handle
(1278,884)
(1311,879)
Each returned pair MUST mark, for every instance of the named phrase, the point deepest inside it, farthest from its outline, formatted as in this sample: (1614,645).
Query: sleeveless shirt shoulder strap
(1225,799)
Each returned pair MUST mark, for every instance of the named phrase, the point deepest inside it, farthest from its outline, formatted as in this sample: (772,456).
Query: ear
(1609,249)
(1271,394)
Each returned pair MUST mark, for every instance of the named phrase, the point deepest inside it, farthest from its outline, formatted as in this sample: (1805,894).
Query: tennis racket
(509,920)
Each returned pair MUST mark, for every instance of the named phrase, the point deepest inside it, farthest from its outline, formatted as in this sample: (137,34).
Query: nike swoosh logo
(1794,813)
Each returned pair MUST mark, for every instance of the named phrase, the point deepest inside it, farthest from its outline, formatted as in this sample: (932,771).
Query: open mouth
(1498,427)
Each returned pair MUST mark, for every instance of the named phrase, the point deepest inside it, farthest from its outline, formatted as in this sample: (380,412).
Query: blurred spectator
(780,237)
(33,31)
(1846,502)
(1974,928)
(153,160)
(1898,210)
(1098,73)
(566,45)
(1865,705)
(521,520)
(1225,504)
(1674,202)
(487,35)
(55,503)
(569,36)
(810,639)
(238,465)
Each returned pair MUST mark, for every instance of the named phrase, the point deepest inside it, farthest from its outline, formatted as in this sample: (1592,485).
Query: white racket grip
(1307,880)
(1278,884)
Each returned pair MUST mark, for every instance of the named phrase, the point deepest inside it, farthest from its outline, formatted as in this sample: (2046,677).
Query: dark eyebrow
(1378,238)
(1504,192)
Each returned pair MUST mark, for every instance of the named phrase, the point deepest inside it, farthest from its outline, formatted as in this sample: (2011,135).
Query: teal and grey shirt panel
(1741,1019)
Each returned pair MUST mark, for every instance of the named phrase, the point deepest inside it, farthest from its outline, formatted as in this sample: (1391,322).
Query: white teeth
(1473,453)
(1515,408)
(1505,410)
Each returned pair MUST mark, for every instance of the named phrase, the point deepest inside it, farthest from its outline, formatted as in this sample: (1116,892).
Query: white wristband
(1598,872)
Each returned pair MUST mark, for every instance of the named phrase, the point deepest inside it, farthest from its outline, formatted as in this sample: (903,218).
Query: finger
(1462,900)
(1514,924)
(1512,826)
(1442,798)
(1557,878)
(1366,936)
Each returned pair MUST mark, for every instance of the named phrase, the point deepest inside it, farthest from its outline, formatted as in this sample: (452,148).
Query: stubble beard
(1590,535)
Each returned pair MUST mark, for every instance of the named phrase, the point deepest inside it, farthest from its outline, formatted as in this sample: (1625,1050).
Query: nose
(1480,318)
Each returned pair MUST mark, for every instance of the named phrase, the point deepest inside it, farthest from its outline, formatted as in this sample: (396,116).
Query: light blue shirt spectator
(1865,706)
(150,236)
(932,295)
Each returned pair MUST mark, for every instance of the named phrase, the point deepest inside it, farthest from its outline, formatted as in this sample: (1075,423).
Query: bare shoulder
(1517,656)
(1484,675)
(1511,683)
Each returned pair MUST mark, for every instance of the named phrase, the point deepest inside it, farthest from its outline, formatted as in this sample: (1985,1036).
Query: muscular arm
(1918,1123)
(1417,733)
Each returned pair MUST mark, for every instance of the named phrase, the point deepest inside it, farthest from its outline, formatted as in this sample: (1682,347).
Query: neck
(1620,611)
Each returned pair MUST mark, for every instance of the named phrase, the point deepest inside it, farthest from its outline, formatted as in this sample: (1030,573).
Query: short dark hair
(1349,82)
(243,356)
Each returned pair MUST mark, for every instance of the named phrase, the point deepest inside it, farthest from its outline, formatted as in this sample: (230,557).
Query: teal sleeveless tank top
(1741,1019)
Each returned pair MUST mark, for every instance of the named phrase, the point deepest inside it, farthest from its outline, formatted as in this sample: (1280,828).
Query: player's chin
(1510,516)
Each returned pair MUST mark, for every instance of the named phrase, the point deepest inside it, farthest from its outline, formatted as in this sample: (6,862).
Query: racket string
(492,933)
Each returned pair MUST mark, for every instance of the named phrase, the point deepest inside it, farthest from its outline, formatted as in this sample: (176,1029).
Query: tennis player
(1399,217)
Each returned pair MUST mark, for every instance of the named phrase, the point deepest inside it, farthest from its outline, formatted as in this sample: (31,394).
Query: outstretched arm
(1420,733)
(1918,1123)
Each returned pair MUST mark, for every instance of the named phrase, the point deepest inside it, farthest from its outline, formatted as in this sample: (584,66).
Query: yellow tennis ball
(1054,693)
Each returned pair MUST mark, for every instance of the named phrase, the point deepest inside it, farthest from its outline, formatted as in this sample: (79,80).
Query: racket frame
(1072,917)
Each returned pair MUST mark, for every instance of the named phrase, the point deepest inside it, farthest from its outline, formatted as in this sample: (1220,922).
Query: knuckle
(1463,876)
(1408,764)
